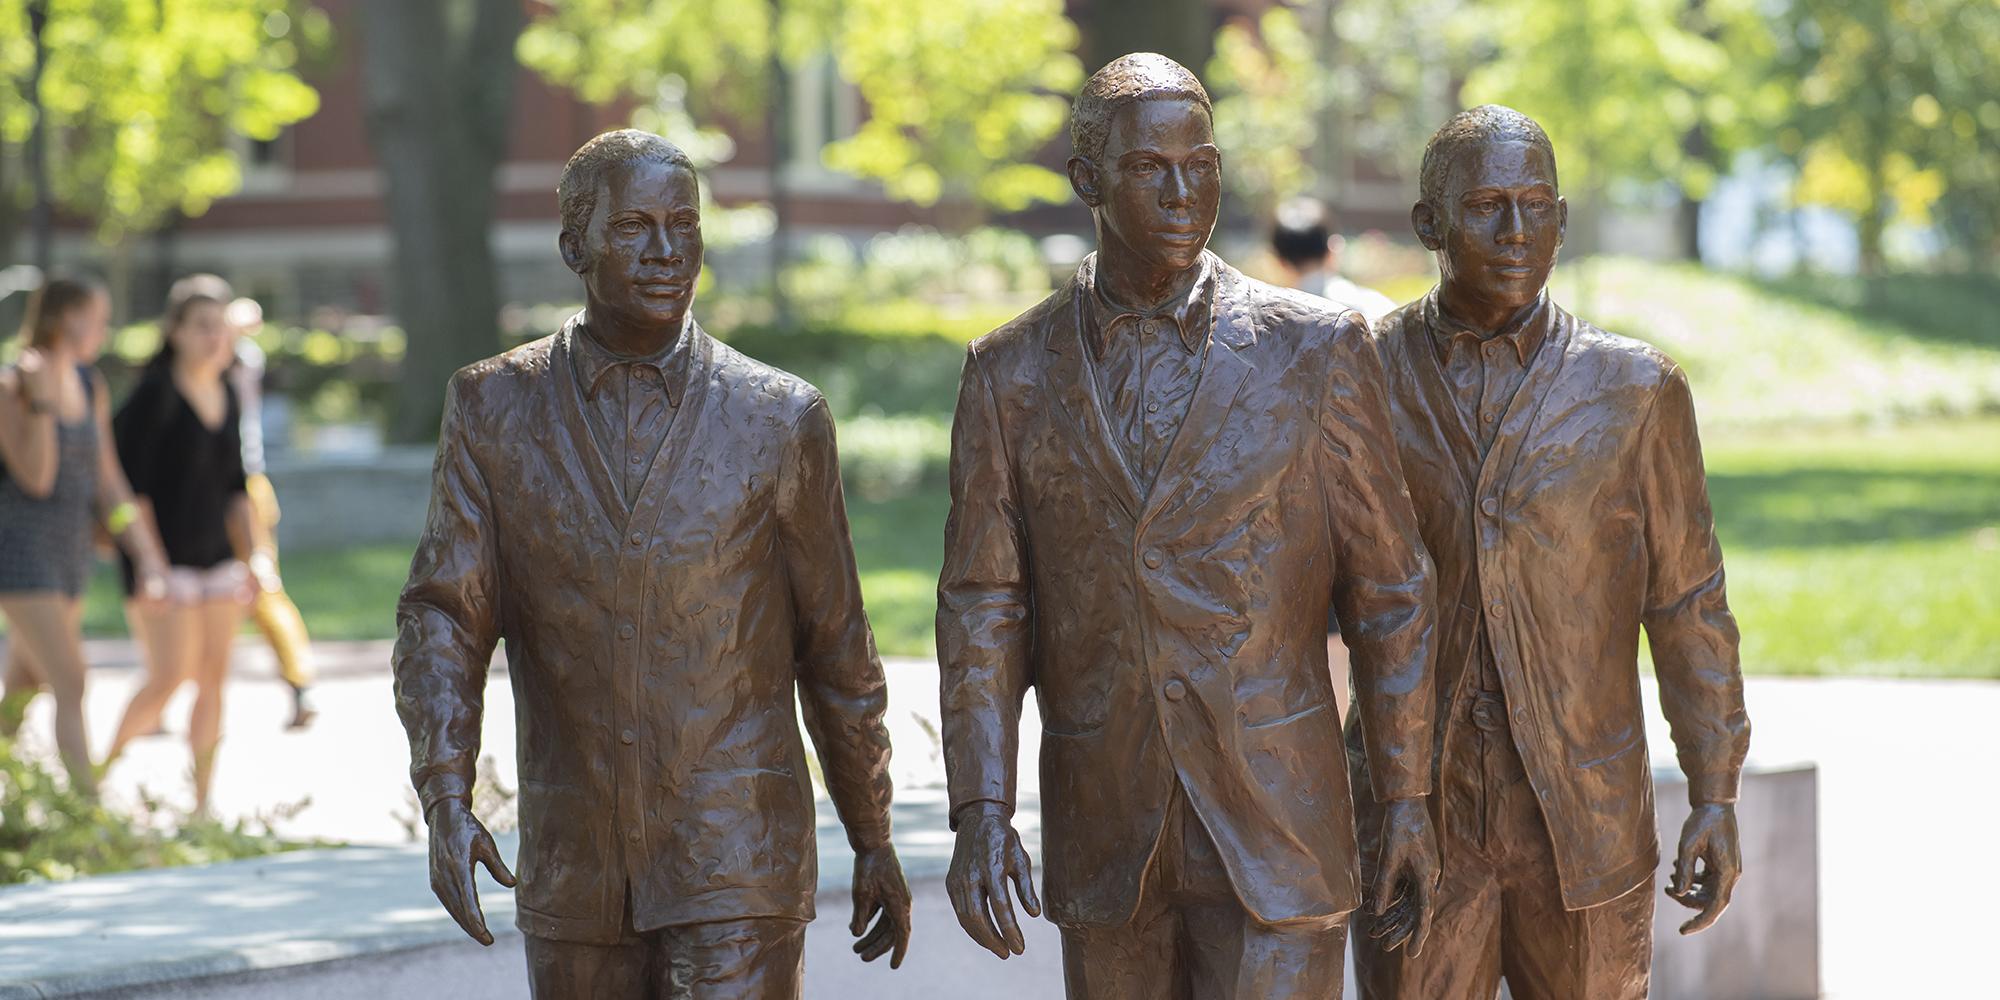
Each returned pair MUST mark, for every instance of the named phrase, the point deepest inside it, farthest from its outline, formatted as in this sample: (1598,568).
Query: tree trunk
(438,79)
(1695,144)
(775,134)
(1181,30)
(1872,220)
(41,218)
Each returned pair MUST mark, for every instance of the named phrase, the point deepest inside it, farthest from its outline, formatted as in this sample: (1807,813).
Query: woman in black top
(58,477)
(179,439)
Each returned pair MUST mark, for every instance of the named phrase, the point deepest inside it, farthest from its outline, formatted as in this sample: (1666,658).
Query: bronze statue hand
(458,842)
(988,855)
(1708,836)
(1406,877)
(879,887)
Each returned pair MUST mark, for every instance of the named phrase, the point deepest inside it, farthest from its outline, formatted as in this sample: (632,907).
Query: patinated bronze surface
(1162,476)
(654,523)
(1557,477)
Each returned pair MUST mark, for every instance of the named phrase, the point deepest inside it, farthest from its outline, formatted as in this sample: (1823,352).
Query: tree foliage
(142,98)
(1898,105)
(958,95)
(1622,85)
(1268,98)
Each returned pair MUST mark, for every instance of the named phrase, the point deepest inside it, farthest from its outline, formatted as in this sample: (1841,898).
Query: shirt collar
(593,361)
(1524,332)
(1188,307)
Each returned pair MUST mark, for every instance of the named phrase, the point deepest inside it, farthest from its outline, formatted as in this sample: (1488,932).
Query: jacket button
(1496,609)
(627,631)
(1153,560)
(636,538)
(625,737)
(1491,506)
(1174,689)
(632,836)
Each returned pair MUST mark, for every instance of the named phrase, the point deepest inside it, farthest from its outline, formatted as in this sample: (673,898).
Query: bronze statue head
(631,228)
(1490,209)
(1144,159)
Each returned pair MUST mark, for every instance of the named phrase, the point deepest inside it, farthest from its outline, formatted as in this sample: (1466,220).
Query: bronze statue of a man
(1558,479)
(1161,477)
(654,523)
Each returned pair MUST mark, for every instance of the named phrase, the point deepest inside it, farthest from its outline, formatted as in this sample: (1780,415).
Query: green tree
(1645,91)
(1304,91)
(141,99)
(959,95)
(1269,96)
(1898,111)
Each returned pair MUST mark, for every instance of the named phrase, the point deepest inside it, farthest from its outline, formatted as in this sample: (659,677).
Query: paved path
(1908,816)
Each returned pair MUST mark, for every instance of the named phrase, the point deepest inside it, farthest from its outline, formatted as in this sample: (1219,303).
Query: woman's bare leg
(219,619)
(46,625)
(167,635)
(24,680)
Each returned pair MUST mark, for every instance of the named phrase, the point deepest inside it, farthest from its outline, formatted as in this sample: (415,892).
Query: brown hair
(187,293)
(50,303)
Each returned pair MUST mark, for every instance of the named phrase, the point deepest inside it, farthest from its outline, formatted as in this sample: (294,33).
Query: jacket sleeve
(1384,584)
(1688,625)
(446,624)
(842,693)
(985,612)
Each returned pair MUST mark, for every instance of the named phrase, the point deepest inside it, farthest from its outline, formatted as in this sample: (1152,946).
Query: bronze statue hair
(51,302)
(1136,77)
(1474,127)
(576,191)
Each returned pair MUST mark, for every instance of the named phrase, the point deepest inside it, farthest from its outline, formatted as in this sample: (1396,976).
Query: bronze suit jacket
(1588,519)
(1179,636)
(654,653)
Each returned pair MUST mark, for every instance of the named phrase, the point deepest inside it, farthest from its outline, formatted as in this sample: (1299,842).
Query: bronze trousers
(1499,908)
(761,958)
(1191,939)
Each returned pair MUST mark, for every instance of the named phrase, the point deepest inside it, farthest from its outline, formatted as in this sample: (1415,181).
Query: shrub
(48,832)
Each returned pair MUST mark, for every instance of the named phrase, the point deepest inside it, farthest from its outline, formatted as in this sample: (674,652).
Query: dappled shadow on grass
(1951,309)
(1817,506)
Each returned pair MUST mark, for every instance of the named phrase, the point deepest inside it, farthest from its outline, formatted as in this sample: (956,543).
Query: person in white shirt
(1308,251)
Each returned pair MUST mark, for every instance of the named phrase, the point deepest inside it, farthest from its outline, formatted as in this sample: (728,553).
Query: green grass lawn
(1850,550)
(1859,552)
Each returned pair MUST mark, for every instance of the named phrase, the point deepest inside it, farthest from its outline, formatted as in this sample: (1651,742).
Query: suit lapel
(686,428)
(582,443)
(1460,442)
(1524,410)
(1231,331)
(1071,384)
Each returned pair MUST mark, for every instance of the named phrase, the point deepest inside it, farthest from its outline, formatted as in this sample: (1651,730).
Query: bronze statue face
(641,253)
(1498,228)
(1158,185)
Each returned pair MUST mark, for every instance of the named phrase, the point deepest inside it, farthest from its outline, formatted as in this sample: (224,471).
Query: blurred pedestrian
(58,474)
(277,617)
(1308,249)
(180,437)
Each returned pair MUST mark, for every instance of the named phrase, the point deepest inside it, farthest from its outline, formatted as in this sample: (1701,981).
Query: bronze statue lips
(1179,237)
(662,289)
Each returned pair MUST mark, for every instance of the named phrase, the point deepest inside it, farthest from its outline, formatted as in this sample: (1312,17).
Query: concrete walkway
(1907,773)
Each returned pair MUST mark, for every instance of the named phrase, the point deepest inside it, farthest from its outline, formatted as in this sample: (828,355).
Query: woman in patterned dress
(59,474)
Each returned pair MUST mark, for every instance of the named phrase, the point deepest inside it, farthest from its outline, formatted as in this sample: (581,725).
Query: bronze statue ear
(571,246)
(1562,219)
(1083,180)
(1423,219)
